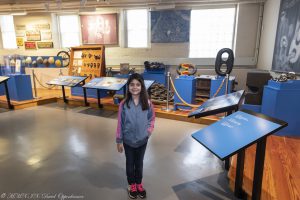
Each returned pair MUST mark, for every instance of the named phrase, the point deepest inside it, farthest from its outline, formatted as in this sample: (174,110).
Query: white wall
(268,36)
(171,54)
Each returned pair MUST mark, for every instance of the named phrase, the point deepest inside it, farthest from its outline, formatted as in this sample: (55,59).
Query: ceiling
(34,6)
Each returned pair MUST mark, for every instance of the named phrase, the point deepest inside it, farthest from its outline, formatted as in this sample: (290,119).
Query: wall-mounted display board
(87,61)
(34,36)
(286,57)
(170,26)
(99,29)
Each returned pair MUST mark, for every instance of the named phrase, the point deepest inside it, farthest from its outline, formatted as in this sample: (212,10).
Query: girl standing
(135,124)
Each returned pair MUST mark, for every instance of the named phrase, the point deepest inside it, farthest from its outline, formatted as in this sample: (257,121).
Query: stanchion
(34,85)
(168,93)
(227,81)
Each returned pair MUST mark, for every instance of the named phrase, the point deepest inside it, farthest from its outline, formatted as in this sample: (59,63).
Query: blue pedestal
(19,87)
(216,82)
(186,88)
(90,93)
(158,77)
(281,100)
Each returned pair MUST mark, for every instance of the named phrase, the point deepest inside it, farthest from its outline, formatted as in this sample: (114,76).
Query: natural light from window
(8,32)
(137,28)
(69,30)
(211,30)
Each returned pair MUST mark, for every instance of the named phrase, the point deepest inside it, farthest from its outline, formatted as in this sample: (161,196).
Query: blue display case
(281,100)
(217,81)
(158,76)
(186,88)
(19,87)
(90,93)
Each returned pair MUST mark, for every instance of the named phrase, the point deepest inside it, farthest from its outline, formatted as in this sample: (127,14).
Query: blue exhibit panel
(216,82)
(157,77)
(90,93)
(19,87)
(233,133)
(281,100)
(186,88)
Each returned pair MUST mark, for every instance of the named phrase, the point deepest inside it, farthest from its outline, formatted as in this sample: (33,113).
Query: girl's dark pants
(134,163)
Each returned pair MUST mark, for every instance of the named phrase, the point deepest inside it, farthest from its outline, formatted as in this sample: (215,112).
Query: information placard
(235,132)
(70,81)
(219,104)
(106,83)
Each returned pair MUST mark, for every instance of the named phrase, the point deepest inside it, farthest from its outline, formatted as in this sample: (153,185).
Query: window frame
(126,45)
(13,31)
(60,32)
(234,29)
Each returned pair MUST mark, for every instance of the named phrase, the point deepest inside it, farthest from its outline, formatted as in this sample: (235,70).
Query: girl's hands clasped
(120,148)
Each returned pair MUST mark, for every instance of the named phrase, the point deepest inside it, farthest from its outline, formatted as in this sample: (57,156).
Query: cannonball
(34,63)
(46,62)
(28,60)
(39,60)
(51,60)
(58,63)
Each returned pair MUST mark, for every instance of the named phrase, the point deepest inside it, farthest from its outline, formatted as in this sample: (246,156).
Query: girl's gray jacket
(134,124)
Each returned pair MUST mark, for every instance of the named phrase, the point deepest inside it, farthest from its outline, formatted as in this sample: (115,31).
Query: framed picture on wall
(99,29)
(286,56)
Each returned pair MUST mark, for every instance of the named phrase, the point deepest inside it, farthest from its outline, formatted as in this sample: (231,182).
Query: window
(211,30)
(137,28)
(8,32)
(69,30)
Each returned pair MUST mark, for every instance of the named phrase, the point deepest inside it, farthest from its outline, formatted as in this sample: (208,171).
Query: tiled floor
(54,150)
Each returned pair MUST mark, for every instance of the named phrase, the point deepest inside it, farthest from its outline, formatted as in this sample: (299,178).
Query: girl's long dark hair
(143,94)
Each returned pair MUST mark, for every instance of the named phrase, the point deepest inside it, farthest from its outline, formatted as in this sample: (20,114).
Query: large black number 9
(228,62)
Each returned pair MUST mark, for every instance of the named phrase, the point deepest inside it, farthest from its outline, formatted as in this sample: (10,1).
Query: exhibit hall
(137,99)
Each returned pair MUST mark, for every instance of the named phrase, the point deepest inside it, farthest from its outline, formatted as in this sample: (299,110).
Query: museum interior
(221,76)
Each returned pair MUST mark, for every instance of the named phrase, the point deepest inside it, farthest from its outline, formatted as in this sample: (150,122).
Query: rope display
(221,85)
(181,99)
(49,87)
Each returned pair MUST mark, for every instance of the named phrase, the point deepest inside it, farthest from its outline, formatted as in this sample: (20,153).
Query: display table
(106,83)
(69,81)
(225,103)
(233,134)
(281,100)
(3,80)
